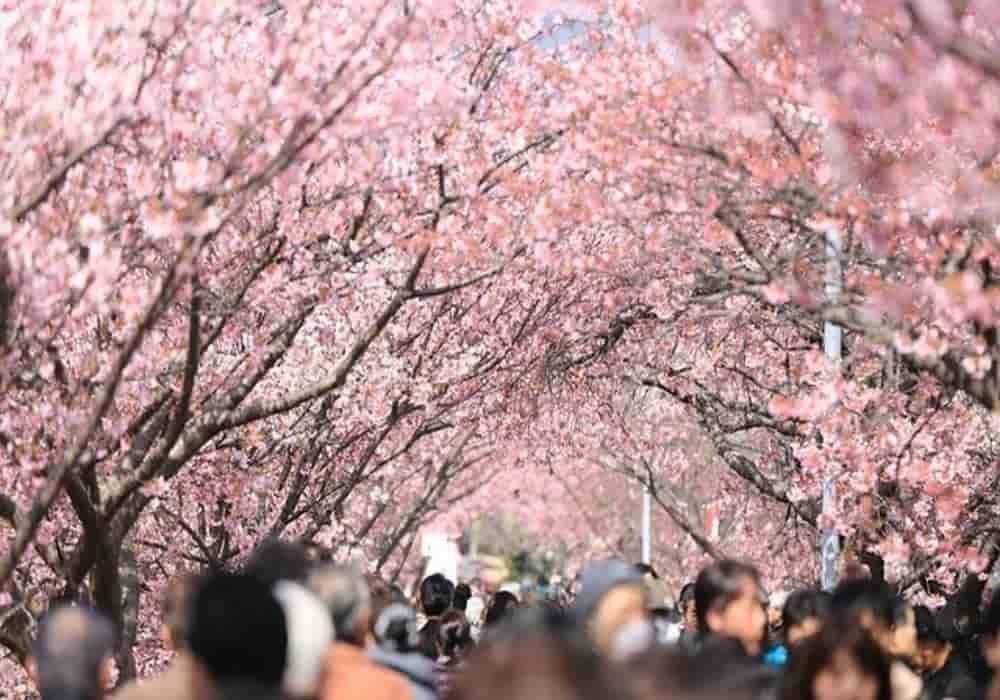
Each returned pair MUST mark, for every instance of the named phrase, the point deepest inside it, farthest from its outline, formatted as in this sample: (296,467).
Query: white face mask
(634,638)
(667,633)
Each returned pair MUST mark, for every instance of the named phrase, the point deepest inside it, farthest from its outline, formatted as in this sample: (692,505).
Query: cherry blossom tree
(324,270)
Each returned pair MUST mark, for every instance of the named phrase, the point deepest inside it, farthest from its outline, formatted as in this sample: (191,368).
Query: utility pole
(829,545)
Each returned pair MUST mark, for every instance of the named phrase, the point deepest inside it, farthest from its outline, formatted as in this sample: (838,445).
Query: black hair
(275,560)
(454,634)
(430,643)
(436,593)
(718,585)
(927,627)
(804,604)
(989,624)
(720,669)
(856,596)
(503,604)
(816,653)
(460,599)
(238,630)
(72,643)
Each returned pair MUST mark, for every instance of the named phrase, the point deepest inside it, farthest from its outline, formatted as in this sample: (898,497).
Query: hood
(414,665)
(598,579)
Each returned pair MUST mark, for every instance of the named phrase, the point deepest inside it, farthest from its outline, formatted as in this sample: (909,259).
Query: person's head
(614,604)
(436,593)
(238,631)
(842,662)
(534,655)
(686,607)
(345,594)
(454,634)
(395,628)
(460,599)
(728,602)
(71,656)
(177,611)
(276,560)
(310,633)
(874,606)
(717,672)
(501,606)
(803,614)
(775,609)
(933,647)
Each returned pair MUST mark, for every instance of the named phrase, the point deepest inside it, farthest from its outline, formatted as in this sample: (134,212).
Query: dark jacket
(953,681)
(417,669)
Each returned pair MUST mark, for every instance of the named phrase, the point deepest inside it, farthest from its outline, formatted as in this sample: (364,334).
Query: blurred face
(903,639)
(931,656)
(844,679)
(774,617)
(991,651)
(619,608)
(690,615)
(802,631)
(742,619)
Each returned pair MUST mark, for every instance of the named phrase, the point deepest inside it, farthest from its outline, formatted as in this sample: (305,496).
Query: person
(613,603)
(454,642)
(397,648)
(666,625)
(803,615)
(349,672)
(502,605)
(310,634)
(874,606)
(396,640)
(436,595)
(460,599)
(237,637)
(775,650)
(946,672)
(685,604)
(840,662)
(177,681)
(71,658)
(536,654)
(717,672)
(729,603)
(989,640)
(276,560)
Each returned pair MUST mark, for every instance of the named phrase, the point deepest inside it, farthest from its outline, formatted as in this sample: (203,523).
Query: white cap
(310,634)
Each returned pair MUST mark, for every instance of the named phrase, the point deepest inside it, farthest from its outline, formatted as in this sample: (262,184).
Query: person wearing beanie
(613,603)
(310,634)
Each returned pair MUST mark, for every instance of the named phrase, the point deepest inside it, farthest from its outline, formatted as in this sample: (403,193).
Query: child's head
(728,602)
(803,614)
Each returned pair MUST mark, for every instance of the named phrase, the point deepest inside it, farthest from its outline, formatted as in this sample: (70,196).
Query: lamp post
(832,342)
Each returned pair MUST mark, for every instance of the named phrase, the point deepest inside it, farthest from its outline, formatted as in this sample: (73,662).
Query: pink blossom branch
(58,473)
(55,179)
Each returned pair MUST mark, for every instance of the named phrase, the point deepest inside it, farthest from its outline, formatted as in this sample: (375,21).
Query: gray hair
(344,592)
(72,644)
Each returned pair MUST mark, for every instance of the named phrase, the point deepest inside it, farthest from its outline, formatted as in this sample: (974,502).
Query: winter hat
(310,633)
(598,579)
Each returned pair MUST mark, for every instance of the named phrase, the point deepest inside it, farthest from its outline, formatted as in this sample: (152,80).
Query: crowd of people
(291,627)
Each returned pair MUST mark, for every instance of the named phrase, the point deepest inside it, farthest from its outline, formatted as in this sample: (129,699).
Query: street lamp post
(832,342)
